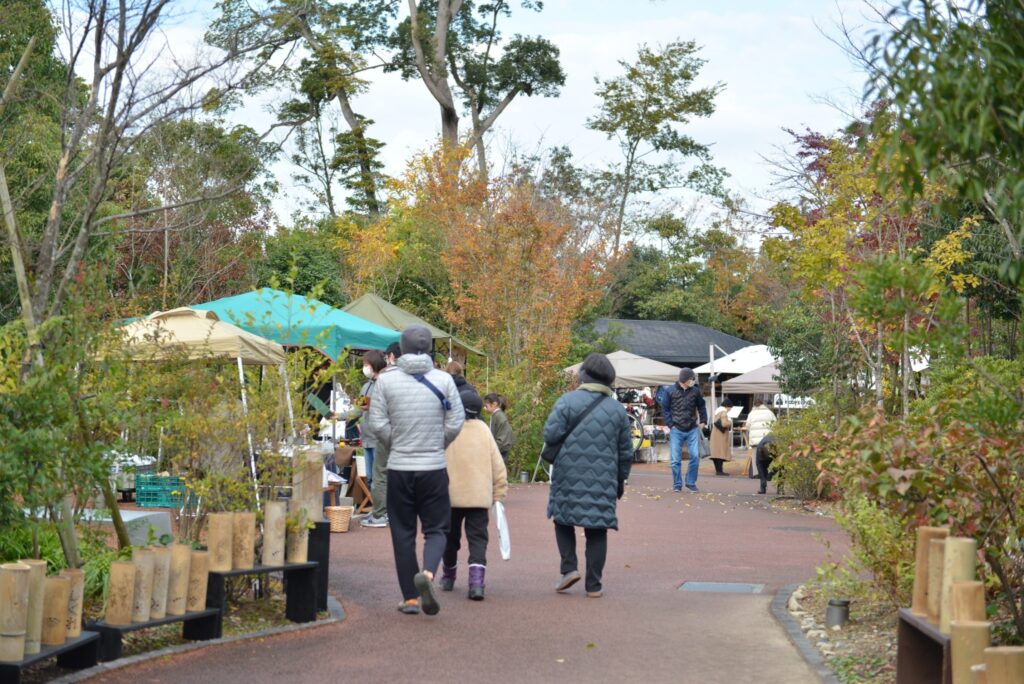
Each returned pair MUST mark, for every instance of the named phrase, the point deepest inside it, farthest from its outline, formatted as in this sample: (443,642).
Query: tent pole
(334,418)
(248,433)
(288,400)
(711,362)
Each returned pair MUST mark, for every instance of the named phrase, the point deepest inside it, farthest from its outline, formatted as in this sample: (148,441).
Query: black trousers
(476,520)
(421,495)
(595,554)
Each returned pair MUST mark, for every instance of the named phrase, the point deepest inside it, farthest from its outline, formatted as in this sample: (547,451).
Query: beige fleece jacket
(476,473)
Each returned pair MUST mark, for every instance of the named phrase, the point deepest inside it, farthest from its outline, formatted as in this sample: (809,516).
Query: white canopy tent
(637,371)
(763,380)
(740,361)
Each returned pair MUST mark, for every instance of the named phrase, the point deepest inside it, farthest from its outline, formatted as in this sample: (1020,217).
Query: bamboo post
(967,601)
(218,540)
(308,483)
(1004,664)
(36,583)
(959,563)
(14,582)
(936,561)
(979,674)
(243,541)
(120,593)
(925,535)
(274,513)
(177,583)
(198,572)
(161,579)
(56,592)
(968,641)
(75,598)
(143,591)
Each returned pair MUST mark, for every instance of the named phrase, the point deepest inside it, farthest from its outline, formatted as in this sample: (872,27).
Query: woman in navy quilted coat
(590,470)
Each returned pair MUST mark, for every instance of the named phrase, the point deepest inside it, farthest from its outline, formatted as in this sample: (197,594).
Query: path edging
(334,608)
(810,654)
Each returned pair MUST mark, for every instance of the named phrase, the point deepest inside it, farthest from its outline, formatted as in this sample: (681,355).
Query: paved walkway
(642,627)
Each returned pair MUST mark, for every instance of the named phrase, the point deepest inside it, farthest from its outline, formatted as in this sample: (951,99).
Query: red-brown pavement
(642,627)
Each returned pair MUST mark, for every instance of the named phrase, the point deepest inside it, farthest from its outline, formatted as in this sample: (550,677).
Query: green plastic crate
(159,491)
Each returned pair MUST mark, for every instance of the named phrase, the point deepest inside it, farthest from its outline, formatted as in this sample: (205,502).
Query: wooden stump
(14,582)
(308,483)
(274,513)
(56,593)
(298,545)
(36,584)
(959,563)
(75,598)
(1004,664)
(925,535)
(177,583)
(936,562)
(968,641)
(967,601)
(120,593)
(979,674)
(143,593)
(219,532)
(198,572)
(161,581)
(243,541)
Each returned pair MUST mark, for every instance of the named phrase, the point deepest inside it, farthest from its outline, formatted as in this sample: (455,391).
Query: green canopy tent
(293,320)
(380,311)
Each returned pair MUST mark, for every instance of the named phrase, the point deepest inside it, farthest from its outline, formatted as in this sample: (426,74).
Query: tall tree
(642,109)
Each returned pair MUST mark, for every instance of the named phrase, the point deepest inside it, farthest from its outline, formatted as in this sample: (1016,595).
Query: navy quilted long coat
(592,461)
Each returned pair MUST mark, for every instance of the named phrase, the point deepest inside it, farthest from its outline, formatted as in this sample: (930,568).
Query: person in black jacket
(687,416)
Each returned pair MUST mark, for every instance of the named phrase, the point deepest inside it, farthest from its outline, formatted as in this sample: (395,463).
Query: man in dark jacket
(686,415)
(590,471)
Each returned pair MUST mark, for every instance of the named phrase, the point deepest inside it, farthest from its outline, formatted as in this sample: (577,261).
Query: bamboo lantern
(14,584)
(1004,664)
(243,541)
(936,560)
(308,483)
(919,606)
(120,593)
(161,578)
(56,593)
(75,598)
(36,582)
(979,674)
(198,572)
(959,564)
(177,583)
(219,527)
(142,595)
(967,601)
(274,514)
(968,641)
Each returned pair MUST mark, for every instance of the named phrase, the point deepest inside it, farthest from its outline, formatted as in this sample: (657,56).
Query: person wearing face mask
(686,415)
(373,364)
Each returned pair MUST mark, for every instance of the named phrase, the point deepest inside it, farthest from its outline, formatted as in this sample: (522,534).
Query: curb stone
(807,650)
(334,608)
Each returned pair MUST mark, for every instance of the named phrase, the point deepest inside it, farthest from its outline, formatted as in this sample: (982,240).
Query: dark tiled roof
(681,344)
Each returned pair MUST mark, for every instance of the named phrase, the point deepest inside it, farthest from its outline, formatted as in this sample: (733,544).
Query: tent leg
(288,400)
(248,434)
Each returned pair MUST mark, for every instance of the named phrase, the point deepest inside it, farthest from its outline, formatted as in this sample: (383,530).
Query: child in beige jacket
(476,479)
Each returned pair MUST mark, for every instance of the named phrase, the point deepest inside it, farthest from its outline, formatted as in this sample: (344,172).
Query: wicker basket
(339,517)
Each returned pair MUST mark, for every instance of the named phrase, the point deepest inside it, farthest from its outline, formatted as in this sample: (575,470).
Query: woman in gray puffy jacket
(590,471)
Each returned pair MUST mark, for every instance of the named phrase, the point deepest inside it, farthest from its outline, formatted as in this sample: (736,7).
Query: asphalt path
(643,626)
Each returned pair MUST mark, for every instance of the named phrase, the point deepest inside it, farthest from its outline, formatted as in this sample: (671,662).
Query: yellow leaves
(948,253)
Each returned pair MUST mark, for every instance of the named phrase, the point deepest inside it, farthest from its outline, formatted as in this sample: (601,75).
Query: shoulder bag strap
(445,404)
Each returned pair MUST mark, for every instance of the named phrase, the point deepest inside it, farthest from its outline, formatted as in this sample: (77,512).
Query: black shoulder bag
(550,451)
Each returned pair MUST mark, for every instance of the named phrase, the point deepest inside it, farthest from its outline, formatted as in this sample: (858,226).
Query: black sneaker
(428,598)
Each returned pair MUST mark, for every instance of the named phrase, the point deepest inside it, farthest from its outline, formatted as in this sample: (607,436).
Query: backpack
(662,397)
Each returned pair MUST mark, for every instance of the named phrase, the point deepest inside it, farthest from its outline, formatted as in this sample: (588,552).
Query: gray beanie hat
(416,339)
(686,374)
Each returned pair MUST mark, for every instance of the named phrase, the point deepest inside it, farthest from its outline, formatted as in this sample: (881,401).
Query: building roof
(674,342)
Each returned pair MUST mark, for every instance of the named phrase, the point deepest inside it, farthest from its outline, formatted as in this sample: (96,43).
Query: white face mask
(368,372)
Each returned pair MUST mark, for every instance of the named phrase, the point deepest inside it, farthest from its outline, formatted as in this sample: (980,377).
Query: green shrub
(803,442)
(881,545)
(16,542)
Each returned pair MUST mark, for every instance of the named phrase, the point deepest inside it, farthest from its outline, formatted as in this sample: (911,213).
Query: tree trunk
(363,150)
(879,370)
(110,501)
(449,126)
(906,370)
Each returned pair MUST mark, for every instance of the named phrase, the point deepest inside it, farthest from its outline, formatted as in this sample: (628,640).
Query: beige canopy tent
(764,380)
(637,371)
(196,334)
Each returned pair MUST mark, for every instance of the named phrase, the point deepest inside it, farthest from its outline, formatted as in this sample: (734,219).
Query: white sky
(774,57)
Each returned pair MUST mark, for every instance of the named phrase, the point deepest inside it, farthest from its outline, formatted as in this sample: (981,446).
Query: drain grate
(723,587)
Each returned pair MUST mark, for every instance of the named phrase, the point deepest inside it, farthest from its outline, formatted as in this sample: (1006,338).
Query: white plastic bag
(504,543)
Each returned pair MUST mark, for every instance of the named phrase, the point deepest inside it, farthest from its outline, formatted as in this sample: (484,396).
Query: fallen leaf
(591,645)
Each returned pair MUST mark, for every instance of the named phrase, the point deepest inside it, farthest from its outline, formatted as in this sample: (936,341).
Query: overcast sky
(774,57)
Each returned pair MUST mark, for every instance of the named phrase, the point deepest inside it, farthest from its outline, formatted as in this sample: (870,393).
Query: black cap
(686,374)
(471,401)
(597,368)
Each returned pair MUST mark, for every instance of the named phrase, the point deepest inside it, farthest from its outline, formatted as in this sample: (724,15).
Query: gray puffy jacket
(407,418)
